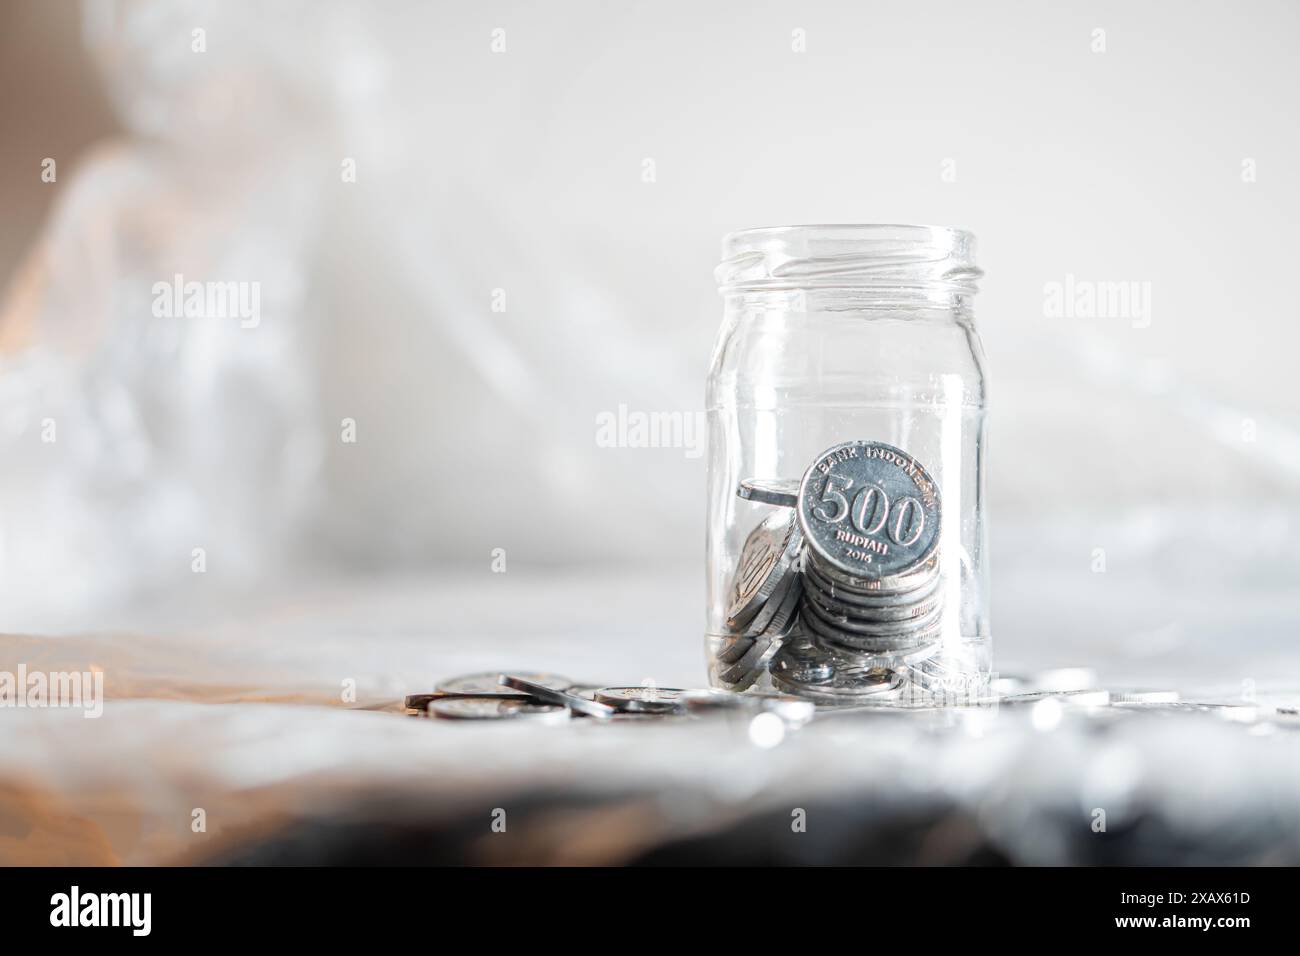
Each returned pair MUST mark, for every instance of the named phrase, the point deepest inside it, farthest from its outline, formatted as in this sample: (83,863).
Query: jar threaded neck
(895,260)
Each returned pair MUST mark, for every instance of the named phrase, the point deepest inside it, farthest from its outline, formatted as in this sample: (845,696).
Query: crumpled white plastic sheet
(377,314)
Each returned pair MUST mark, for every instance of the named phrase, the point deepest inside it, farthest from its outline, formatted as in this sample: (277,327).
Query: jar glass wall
(865,578)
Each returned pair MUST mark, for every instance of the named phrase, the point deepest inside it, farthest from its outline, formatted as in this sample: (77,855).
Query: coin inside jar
(765,561)
(836,609)
(923,586)
(749,667)
(844,686)
(781,492)
(897,628)
(869,510)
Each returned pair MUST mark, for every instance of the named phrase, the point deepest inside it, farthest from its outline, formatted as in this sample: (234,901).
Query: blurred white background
(578,163)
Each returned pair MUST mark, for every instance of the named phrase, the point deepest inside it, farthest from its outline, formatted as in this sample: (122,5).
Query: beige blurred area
(54,107)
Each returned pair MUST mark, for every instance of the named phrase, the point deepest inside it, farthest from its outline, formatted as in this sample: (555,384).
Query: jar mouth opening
(928,259)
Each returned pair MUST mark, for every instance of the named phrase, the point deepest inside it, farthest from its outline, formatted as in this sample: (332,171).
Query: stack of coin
(870,603)
(763,602)
(852,616)
(809,668)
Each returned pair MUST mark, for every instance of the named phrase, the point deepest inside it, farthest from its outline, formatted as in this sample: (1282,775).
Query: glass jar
(846,399)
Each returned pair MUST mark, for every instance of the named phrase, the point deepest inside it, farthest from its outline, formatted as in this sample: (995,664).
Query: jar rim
(866,229)
(934,259)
